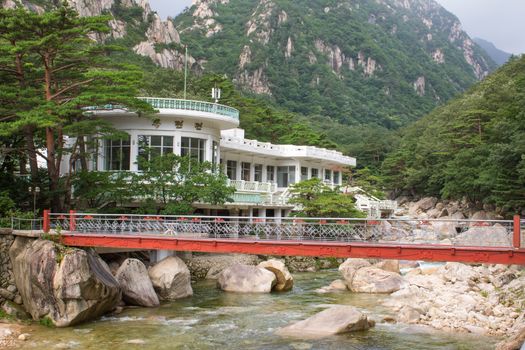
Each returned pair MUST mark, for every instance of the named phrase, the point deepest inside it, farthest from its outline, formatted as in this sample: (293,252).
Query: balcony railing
(189,105)
(253,186)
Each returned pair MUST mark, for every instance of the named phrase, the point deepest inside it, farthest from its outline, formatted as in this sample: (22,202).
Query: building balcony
(253,186)
(222,116)
(243,145)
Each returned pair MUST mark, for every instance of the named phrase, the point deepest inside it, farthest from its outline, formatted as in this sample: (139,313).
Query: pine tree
(64,71)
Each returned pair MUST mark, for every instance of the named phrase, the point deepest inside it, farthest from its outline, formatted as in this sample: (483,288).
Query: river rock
(374,280)
(388,265)
(494,236)
(284,278)
(246,279)
(209,266)
(515,342)
(350,267)
(423,204)
(136,285)
(335,286)
(171,278)
(335,320)
(66,285)
(408,314)
(453,272)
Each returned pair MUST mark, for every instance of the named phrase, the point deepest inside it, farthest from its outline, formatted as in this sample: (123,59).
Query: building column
(133,151)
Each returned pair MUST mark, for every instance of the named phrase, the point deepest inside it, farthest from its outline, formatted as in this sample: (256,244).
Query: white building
(261,172)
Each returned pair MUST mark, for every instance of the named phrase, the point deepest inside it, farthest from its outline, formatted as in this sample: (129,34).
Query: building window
(151,146)
(328,175)
(270,173)
(117,154)
(336,177)
(193,148)
(231,169)
(315,173)
(304,173)
(285,176)
(215,152)
(257,172)
(245,171)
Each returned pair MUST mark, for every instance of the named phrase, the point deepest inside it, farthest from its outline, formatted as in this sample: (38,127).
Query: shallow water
(213,319)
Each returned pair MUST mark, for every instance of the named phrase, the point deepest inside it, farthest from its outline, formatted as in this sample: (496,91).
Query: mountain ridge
(391,61)
(499,56)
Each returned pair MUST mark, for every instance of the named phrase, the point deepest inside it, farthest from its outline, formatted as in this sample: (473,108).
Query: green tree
(64,72)
(172,184)
(316,199)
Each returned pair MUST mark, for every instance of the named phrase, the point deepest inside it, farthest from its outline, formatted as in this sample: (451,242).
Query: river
(213,319)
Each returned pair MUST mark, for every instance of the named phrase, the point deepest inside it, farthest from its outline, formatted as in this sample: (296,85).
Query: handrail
(191,105)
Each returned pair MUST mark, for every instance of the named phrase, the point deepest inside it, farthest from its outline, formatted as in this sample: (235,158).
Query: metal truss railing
(486,233)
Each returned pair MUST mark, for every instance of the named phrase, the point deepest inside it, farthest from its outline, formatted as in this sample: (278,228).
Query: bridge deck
(426,252)
(475,241)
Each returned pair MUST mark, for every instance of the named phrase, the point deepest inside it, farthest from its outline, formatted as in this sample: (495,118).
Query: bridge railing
(487,233)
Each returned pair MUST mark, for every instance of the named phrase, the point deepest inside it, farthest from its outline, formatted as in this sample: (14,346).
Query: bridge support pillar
(516,241)
(158,255)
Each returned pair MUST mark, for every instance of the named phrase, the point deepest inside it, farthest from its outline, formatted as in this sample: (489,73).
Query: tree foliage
(51,70)
(472,148)
(316,199)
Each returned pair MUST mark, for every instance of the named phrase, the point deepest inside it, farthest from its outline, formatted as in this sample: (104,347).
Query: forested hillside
(359,62)
(474,147)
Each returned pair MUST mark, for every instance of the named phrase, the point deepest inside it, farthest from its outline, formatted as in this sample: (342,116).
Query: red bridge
(473,241)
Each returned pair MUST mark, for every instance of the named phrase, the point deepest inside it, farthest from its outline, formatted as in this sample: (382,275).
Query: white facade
(261,172)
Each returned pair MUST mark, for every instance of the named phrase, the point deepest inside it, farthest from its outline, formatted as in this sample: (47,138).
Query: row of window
(118,152)
(285,174)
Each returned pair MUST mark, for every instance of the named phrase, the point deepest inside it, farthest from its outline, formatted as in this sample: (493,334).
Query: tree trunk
(29,137)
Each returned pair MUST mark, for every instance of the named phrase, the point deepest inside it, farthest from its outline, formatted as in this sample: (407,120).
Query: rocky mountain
(358,61)
(497,55)
(133,23)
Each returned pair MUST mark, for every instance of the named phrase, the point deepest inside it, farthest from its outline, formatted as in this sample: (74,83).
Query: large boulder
(284,278)
(350,267)
(492,236)
(335,320)
(65,285)
(246,279)
(422,205)
(388,265)
(137,288)
(171,279)
(374,280)
(210,265)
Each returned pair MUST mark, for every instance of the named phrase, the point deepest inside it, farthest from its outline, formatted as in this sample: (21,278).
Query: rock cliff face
(161,41)
(391,52)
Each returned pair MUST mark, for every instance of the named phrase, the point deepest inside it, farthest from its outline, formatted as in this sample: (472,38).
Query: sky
(501,22)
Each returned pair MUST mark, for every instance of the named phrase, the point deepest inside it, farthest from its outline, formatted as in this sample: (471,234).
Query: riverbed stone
(350,267)
(487,236)
(408,314)
(66,285)
(374,280)
(388,265)
(284,278)
(335,320)
(246,279)
(171,279)
(136,285)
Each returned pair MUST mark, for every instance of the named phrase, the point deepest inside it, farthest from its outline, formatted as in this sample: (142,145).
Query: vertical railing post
(46,226)
(517,232)
(72,220)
